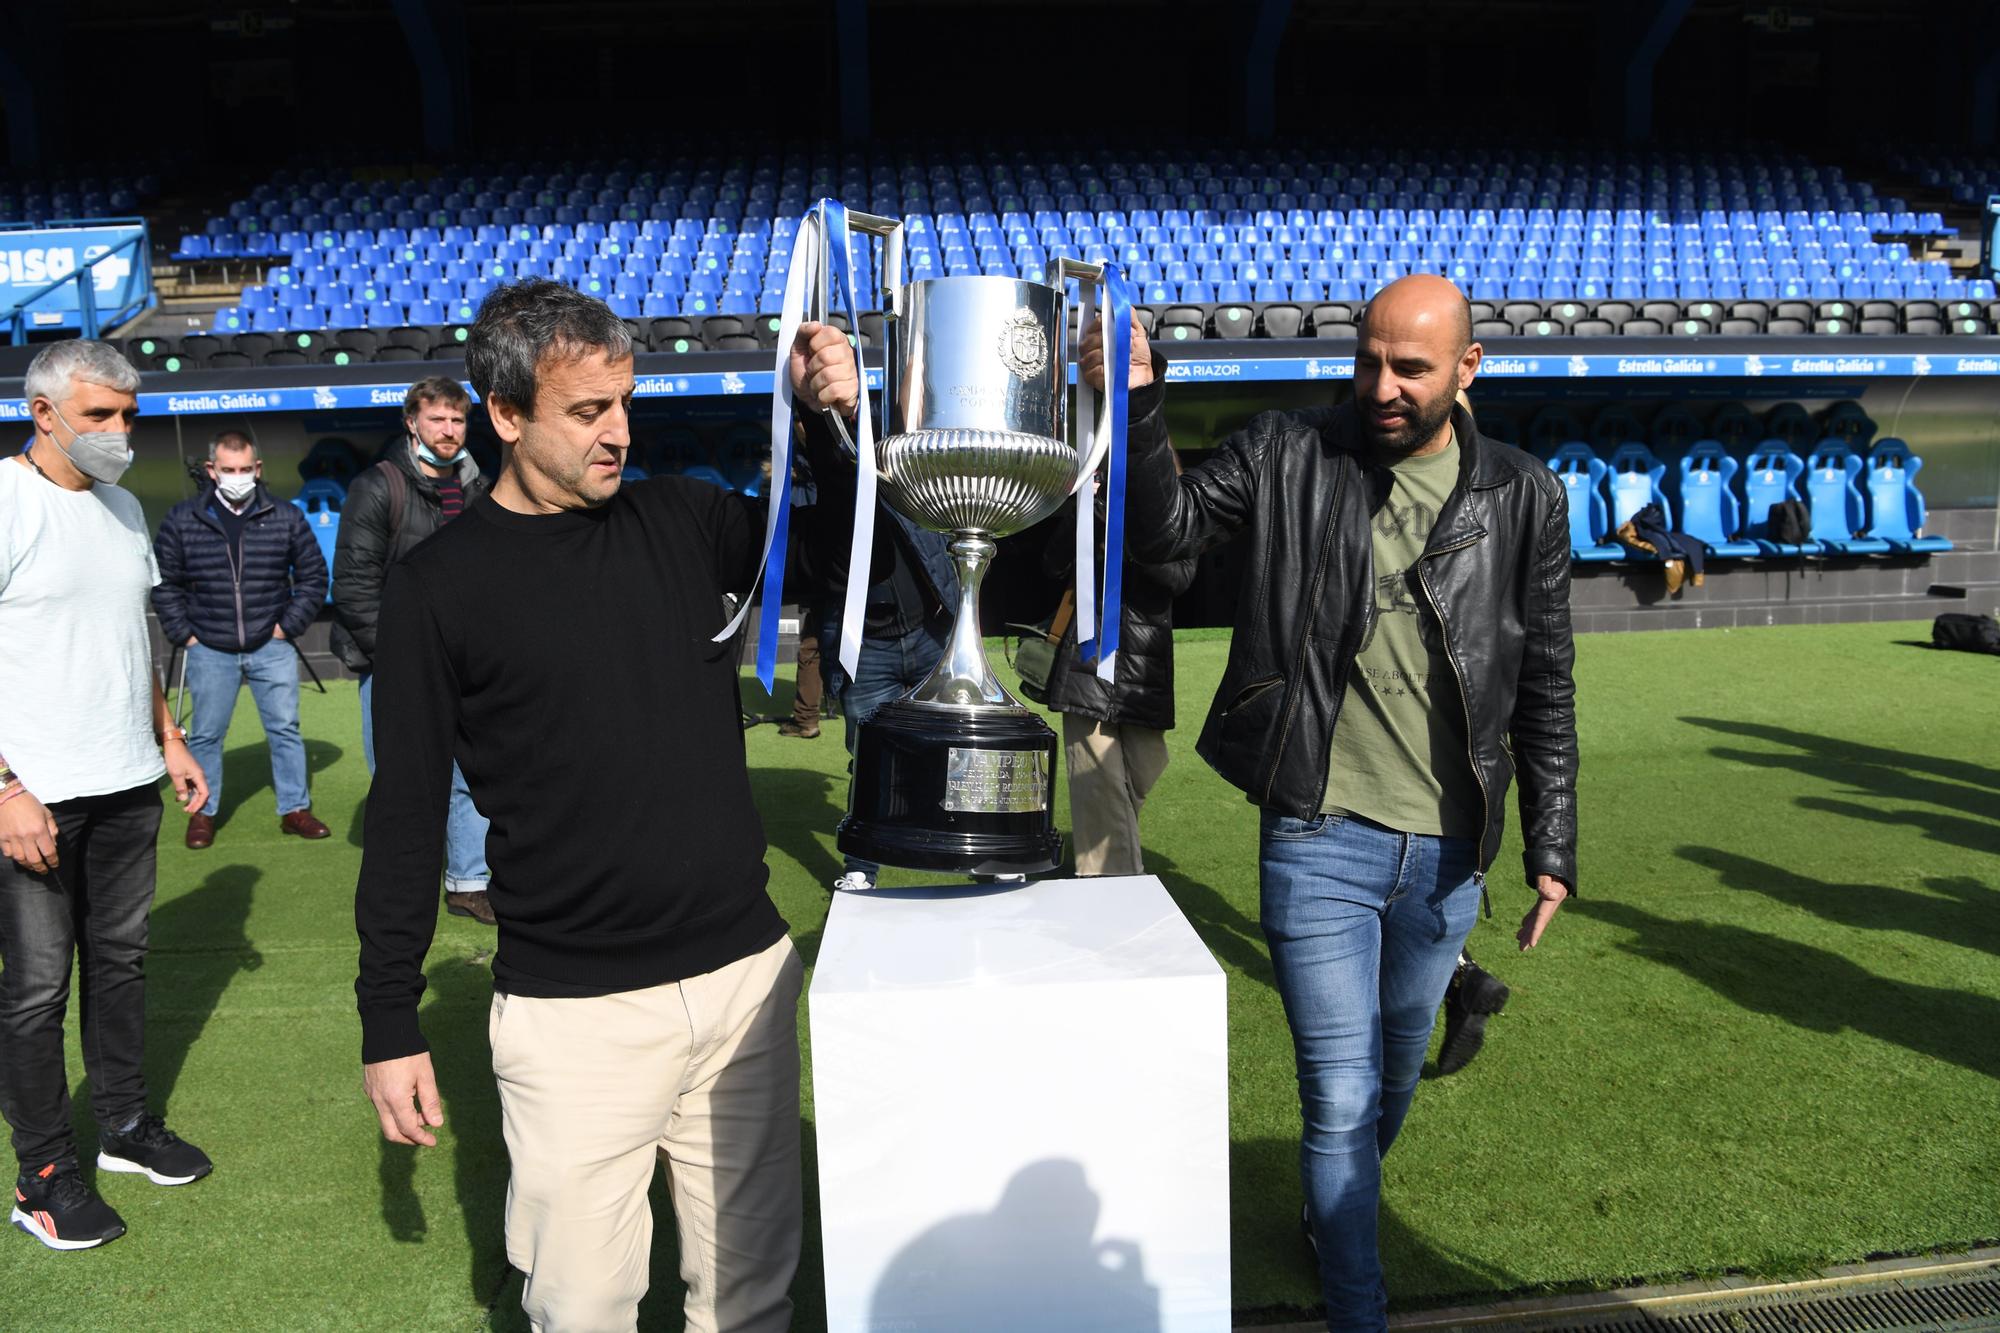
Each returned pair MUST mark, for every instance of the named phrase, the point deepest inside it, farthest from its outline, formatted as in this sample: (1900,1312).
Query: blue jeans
(887,670)
(464,827)
(1365,925)
(272,672)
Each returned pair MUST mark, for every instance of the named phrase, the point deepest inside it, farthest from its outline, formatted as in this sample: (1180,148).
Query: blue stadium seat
(320,500)
(1635,483)
(1710,512)
(1582,474)
(1895,505)
(1771,474)
(1833,492)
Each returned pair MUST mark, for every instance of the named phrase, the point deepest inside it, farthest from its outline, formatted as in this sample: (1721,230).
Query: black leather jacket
(1496,569)
(1141,693)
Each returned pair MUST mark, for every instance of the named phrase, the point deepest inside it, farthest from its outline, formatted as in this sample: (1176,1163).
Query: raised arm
(1170,514)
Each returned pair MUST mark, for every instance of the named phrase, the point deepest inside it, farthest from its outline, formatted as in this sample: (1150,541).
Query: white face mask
(236,486)
(101,455)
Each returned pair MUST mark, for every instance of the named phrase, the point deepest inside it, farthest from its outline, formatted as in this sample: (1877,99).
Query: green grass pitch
(1766,1037)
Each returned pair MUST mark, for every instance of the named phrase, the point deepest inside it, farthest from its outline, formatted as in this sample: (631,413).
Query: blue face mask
(424,452)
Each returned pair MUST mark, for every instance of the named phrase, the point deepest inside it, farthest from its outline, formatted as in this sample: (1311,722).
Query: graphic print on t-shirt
(1402,527)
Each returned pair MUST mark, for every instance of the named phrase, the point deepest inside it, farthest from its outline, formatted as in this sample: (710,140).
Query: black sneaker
(152,1150)
(55,1207)
(1473,996)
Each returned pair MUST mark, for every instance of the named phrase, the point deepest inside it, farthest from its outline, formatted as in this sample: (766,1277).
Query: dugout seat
(1710,511)
(1771,474)
(1895,505)
(1635,483)
(1833,492)
(1582,474)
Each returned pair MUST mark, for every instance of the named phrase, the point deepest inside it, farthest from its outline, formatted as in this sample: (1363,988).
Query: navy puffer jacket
(205,593)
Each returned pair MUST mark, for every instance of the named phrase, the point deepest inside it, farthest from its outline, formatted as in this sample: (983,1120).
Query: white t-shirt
(76,688)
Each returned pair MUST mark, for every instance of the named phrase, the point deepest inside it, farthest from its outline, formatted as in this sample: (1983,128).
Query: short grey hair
(522,323)
(60,364)
(234,439)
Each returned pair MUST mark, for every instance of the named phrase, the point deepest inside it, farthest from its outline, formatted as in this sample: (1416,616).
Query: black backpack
(1790,523)
(1966,633)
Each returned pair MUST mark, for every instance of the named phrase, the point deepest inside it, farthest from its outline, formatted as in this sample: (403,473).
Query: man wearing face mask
(427,480)
(1402,653)
(240,578)
(86,736)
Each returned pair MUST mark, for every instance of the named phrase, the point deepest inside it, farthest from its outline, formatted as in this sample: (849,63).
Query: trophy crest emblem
(1024,348)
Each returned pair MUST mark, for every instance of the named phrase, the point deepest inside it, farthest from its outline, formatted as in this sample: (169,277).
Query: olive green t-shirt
(1399,752)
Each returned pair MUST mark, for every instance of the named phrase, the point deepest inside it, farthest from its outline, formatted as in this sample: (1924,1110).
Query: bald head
(1415,355)
(1425,307)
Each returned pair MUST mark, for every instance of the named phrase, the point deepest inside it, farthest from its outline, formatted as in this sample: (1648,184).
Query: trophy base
(964,791)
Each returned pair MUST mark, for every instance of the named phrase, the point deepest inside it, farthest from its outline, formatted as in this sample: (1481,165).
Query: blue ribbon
(1119,296)
(774,583)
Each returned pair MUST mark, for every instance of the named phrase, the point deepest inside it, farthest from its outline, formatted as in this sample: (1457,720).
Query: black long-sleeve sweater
(565,662)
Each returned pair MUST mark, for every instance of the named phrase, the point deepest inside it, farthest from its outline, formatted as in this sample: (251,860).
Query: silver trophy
(957,774)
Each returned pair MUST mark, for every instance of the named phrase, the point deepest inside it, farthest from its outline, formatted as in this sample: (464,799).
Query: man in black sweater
(557,643)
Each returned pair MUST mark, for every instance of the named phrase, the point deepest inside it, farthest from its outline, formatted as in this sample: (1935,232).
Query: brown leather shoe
(201,832)
(473,905)
(304,824)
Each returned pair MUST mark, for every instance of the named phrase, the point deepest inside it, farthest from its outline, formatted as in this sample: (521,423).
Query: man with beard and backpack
(428,479)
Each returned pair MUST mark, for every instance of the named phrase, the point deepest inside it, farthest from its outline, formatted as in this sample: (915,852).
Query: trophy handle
(820,298)
(1065,269)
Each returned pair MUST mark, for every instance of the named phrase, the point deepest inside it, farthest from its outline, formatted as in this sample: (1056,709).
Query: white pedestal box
(1022,1100)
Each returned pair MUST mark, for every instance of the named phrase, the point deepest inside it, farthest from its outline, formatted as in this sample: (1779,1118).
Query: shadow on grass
(197,946)
(1411,1261)
(1971,834)
(1230,934)
(246,771)
(1875,771)
(1813,988)
(1967,913)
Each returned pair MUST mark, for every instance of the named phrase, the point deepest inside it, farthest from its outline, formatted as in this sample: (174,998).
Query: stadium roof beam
(1630,40)
(1260,68)
(435,31)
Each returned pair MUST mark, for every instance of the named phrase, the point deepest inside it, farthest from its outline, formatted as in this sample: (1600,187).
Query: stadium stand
(1224,242)
(1969,177)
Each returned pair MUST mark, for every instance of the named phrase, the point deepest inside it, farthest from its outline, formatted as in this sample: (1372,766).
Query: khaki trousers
(593,1092)
(1111,768)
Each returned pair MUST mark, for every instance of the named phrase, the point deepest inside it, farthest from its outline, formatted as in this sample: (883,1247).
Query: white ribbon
(805,254)
(860,553)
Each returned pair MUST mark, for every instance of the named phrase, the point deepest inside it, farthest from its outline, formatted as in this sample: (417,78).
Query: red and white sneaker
(57,1208)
